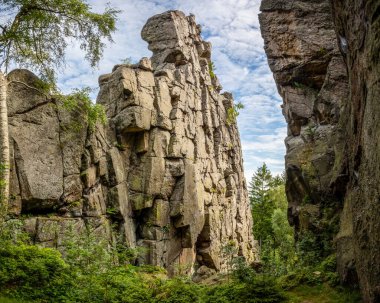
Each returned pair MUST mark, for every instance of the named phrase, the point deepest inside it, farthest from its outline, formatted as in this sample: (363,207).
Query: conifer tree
(262,205)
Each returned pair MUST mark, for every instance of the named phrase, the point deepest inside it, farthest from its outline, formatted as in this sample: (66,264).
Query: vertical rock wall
(357,25)
(303,54)
(166,172)
(325,60)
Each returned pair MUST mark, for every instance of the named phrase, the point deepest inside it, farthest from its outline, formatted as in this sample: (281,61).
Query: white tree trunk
(4,146)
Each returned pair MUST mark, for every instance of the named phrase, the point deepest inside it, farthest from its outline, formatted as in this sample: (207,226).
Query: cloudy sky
(233,28)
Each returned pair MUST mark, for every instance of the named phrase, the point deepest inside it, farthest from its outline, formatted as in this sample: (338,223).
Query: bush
(179,291)
(33,273)
(118,285)
(312,275)
(261,289)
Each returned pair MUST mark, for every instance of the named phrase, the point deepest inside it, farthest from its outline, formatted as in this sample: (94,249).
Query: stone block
(133,119)
(140,201)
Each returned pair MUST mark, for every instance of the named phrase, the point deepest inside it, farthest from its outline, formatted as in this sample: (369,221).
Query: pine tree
(261,203)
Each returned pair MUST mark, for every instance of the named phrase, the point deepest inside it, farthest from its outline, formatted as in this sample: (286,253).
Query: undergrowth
(34,274)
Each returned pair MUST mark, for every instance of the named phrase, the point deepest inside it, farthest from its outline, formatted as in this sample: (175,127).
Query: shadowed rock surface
(325,59)
(165,174)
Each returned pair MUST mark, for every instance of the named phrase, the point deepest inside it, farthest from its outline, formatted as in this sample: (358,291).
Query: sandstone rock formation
(303,54)
(165,174)
(332,160)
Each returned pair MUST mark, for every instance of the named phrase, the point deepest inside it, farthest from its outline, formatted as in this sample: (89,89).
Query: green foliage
(322,51)
(279,253)
(7,300)
(299,85)
(31,272)
(36,274)
(120,146)
(261,289)
(311,132)
(233,113)
(178,291)
(79,102)
(271,227)
(261,202)
(35,34)
(211,69)
(241,271)
(12,232)
(229,252)
(323,294)
(87,252)
(308,249)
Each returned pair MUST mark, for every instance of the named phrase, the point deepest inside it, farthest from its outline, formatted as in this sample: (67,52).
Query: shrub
(179,291)
(33,273)
(118,285)
(261,289)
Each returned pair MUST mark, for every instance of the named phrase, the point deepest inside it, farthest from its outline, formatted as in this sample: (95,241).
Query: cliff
(324,57)
(165,173)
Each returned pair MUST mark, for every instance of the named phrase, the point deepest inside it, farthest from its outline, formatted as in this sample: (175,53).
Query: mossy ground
(322,294)
(301,294)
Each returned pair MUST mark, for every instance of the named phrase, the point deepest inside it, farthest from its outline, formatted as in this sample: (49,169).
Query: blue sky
(233,29)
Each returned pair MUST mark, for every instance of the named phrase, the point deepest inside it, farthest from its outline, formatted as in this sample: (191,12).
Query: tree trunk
(4,147)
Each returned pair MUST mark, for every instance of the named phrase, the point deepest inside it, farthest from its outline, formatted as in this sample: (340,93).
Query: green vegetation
(35,35)
(271,228)
(322,293)
(38,34)
(298,267)
(233,113)
(79,102)
(211,69)
(311,132)
(37,274)
(91,269)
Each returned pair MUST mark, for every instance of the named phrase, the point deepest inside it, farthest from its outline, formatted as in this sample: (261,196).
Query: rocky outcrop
(324,56)
(303,54)
(357,26)
(164,174)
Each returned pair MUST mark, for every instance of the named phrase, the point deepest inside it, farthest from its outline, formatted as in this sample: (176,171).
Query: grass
(5,300)
(322,294)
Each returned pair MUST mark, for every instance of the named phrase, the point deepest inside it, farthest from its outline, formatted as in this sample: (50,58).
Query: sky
(233,28)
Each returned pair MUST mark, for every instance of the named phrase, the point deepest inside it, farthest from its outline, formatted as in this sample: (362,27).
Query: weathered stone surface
(357,26)
(303,54)
(166,169)
(35,137)
(332,159)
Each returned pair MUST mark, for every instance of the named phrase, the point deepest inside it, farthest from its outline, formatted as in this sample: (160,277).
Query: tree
(269,211)
(262,205)
(35,35)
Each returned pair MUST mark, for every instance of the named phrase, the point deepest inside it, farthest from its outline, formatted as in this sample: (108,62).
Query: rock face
(166,172)
(309,70)
(357,25)
(327,70)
